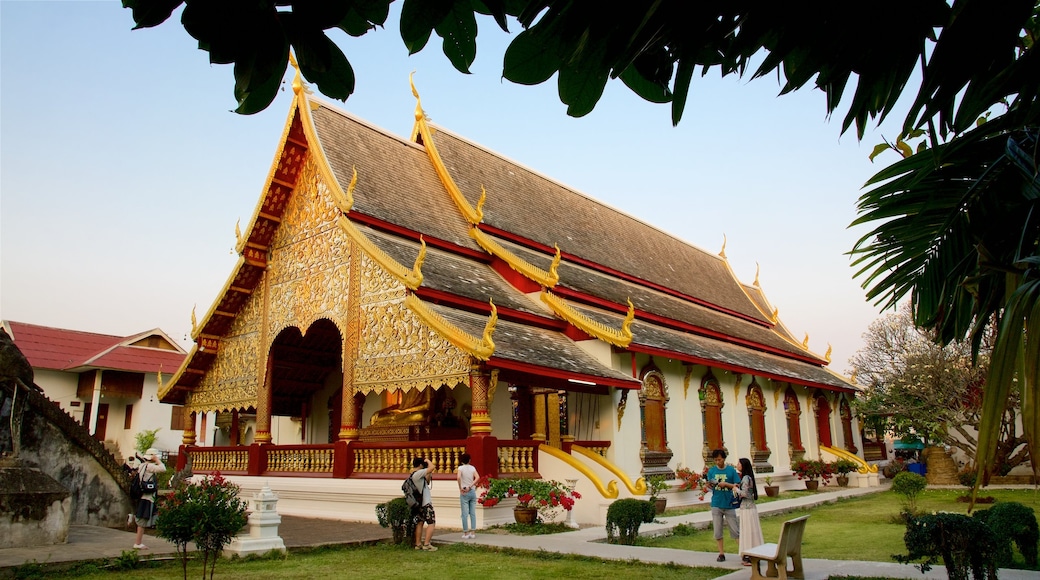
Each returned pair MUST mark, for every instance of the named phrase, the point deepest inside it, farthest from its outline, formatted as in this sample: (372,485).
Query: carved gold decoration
(298,86)
(722,252)
(410,278)
(492,385)
(515,458)
(473,216)
(829,350)
(399,459)
(622,337)
(805,342)
(549,278)
(310,460)
(622,403)
(481,348)
(686,381)
(194,322)
(757,269)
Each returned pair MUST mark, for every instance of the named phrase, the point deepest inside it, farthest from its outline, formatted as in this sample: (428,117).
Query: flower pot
(812,484)
(527,515)
(660,503)
(772,490)
(843,480)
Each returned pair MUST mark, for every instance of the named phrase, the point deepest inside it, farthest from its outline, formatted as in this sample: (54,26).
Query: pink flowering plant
(207,512)
(547,496)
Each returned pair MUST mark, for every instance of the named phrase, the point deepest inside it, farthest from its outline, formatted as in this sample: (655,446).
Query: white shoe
(140,547)
(473,535)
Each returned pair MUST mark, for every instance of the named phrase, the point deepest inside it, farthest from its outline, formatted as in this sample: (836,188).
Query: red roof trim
(397,230)
(478,307)
(617,274)
(734,368)
(560,374)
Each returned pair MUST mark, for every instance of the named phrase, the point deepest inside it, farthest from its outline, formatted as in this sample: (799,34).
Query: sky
(123,170)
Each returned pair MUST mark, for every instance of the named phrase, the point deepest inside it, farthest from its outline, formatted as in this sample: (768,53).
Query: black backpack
(136,489)
(412,494)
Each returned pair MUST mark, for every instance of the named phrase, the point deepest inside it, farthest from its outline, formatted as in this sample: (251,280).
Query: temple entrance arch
(823,419)
(654,453)
(710,395)
(756,408)
(793,411)
(299,366)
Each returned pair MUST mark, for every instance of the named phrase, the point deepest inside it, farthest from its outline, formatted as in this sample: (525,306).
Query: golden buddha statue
(415,407)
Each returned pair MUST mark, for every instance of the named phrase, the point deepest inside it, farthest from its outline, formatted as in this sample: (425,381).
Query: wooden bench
(776,555)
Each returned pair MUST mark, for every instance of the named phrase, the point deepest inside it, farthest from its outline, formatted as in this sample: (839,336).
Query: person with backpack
(422,477)
(467,478)
(147,482)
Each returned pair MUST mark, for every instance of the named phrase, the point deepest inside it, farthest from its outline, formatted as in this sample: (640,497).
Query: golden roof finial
(489,329)
(419,114)
(805,343)
(758,268)
(553,274)
(194,323)
(350,190)
(626,324)
(829,350)
(298,85)
(238,233)
(722,252)
(417,267)
(776,314)
(480,204)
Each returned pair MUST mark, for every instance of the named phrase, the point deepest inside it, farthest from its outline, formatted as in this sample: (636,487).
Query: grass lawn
(388,561)
(861,528)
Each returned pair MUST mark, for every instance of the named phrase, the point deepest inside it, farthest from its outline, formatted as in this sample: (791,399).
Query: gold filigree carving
(481,348)
(473,216)
(492,385)
(545,278)
(410,278)
(622,337)
(622,403)
(805,343)
(686,381)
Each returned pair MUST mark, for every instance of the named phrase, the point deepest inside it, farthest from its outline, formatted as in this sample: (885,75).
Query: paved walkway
(90,543)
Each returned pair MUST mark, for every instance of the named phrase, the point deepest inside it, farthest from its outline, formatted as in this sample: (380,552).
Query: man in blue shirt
(723,479)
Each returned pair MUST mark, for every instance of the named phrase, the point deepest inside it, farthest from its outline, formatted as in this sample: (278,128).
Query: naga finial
(194,323)
(553,274)
(829,350)
(805,343)
(480,204)
(238,233)
(350,190)
(419,114)
(758,268)
(417,267)
(722,252)
(489,328)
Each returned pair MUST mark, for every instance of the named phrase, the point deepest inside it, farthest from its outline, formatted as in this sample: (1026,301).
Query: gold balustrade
(223,460)
(516,459)
(399,459)
(308,460)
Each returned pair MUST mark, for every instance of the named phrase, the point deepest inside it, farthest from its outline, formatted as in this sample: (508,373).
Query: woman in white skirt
(747,491)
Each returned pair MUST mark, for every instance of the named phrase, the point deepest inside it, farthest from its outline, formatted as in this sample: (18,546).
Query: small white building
(118,376)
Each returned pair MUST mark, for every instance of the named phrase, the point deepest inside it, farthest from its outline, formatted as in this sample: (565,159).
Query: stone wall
(58,446)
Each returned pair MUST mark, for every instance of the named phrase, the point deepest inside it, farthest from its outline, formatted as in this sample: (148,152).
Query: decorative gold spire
(298,85)
(194,322)
(238,236)
(473,216)
(757,269)
(805,343)
(722,252)
(829,350)
(481,348)
(549,278)
(589,326)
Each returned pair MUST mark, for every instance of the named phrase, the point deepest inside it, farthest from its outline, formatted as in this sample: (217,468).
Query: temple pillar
(350,416)
(263,407)
(480,419)
(552,412)
(234,432)
(188,438)
(539,416)
(348,429)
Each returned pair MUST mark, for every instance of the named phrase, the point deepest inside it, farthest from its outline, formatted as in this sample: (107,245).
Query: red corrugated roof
(62,349)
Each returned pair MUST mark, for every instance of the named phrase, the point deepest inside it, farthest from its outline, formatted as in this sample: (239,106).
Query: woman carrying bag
(151,466)
(747,491)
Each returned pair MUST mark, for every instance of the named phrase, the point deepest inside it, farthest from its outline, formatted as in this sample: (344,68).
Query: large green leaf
(148,13)
(419,18)
(459,31)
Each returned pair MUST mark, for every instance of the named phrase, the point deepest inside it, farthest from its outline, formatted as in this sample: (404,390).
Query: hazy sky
(123,171)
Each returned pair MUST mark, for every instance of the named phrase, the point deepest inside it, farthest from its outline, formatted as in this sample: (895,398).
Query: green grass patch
(533,529)
(860,528)
(692,509)
(391,561)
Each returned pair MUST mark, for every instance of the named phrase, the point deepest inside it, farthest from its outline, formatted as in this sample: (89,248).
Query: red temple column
(480,419)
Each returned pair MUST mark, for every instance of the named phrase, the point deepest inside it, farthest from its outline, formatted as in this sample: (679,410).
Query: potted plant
(843,467)
(533,497)
(655,484)
(812,471)
(771,490)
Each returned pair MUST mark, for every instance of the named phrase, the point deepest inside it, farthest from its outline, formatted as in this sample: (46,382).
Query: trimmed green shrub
(1012,522)
(909,485)
(624,517)
(396,515)
(963,544)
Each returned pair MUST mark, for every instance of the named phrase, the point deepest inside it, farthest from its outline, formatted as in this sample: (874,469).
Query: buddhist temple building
(398,296)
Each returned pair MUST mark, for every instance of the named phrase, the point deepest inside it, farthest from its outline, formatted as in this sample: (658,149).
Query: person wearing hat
(151,466)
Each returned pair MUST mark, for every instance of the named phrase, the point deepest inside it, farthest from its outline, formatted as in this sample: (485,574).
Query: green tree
(957,225)
(914,386)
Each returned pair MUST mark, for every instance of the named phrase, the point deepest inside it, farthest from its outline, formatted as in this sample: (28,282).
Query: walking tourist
(467,477)
(722,479)
(747,491)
